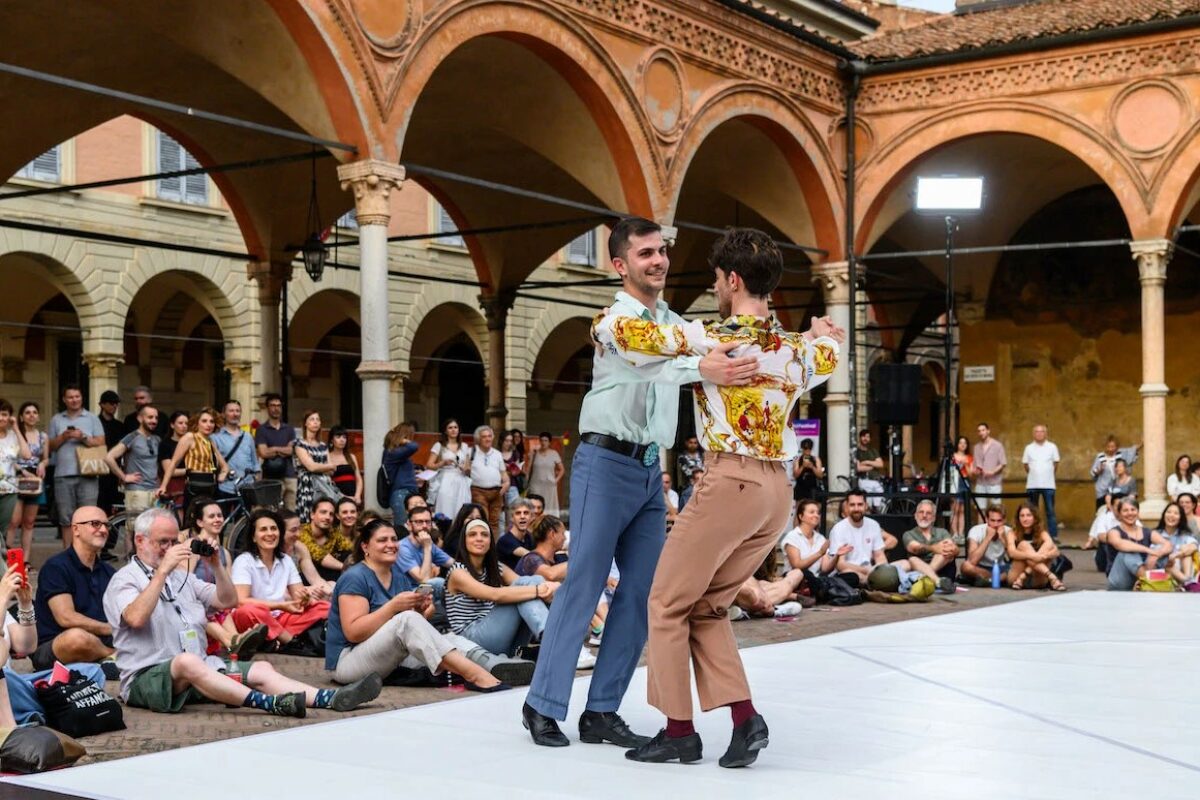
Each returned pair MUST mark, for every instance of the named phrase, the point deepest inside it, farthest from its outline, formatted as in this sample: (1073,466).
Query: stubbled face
(152,547)
(149,418)
(521,518)
(856,508)
(233,414)
(322,517)
(723,289)
(995,520)
(141,399)
(983,432)
(646,264)
(420,523)
(275,409)
(924,516)
(73,400)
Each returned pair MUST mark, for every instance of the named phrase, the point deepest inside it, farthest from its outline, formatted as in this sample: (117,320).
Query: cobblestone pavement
(148,732)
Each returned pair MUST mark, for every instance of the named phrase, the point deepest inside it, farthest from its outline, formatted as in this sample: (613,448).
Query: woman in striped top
(487,603)
(205,465)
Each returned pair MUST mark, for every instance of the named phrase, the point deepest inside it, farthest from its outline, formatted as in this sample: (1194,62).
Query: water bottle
(995,574)
(235,673)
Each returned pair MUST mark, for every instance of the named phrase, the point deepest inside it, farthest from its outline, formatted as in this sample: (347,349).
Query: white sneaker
(586,659)
(788,609)
(736,613)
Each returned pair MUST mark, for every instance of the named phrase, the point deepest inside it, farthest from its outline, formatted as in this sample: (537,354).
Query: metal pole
(948,338)
(285,368)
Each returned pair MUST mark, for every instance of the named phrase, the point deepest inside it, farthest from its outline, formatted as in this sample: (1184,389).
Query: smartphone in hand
(16,561)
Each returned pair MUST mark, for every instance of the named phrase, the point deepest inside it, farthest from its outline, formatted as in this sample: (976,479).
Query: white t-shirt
(864,540)
(673,496)
(10,450)
(996,549)
(801,542)
(1041,459)
(486,468)
(273,586)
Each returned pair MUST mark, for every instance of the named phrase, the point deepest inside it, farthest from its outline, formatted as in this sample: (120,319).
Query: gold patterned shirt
(747,420)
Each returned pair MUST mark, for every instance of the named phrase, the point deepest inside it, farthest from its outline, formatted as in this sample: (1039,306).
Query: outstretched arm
(677,353)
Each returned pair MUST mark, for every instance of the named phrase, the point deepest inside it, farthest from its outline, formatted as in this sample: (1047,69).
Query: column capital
(1152,256)
(496,307)
(834,279)
(372,182)
(670,233)
(239,367)
(103,362)
(270,277)
(376,370)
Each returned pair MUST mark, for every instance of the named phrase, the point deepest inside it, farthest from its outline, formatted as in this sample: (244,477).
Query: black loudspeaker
(895,394)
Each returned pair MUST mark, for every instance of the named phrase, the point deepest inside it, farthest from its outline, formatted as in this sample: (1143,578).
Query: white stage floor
(1083,695)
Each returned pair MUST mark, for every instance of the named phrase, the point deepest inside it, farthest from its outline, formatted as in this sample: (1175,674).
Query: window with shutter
(582,251)
(445,223)
(43,168)
(192,189)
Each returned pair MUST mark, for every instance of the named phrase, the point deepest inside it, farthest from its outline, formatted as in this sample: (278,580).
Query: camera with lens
(202,548)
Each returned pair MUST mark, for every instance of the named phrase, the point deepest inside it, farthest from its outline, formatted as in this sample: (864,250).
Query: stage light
(949,195)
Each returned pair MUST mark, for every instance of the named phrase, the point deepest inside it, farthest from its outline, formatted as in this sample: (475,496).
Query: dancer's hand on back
(825,326)
(720,368)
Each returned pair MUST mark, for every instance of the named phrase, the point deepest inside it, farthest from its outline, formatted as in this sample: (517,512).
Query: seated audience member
(985,547)
(326,544)
(319,587)
(804,546)
(347,518)
(377,624)
(70,598)
(17,638)
(517,541)
(1032,551)
(269,589)
(490,604)
(857,544)
(537,503)
(1187,502)
(158,611)
(419,558)
(206,521)
(1181,564)
(465,514)
(767,593)
(1132,548)
(549,539)
(932,551)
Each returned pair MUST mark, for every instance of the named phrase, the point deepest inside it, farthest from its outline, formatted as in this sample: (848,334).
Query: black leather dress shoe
(663,748)
(748,739)
(597,727)
(543,729)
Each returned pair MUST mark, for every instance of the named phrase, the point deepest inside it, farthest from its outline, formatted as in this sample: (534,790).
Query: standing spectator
(236,446)
(807,470)
(545,472)
(804,546)
(204,466)
(517,541)
(671,498)
(114,431)
(275,441)
(69,430)
(398,450)
(990,462)
(347,477)
(1104,465)
(134,462)
(451,458)
(489,478)
(1122,485)
(691,463)
(142,398)
(176,478)
(313,470)
(34,466)
(13,450)
(519,447)
(1041,468)
(958,484)
(1183,479)
(986,547)
(870,468)
(70,597)
(514,465)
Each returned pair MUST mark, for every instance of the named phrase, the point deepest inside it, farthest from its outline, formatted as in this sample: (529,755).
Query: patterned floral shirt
(747,420)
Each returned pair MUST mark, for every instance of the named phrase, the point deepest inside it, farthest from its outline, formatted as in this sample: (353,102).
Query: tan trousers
(736,515)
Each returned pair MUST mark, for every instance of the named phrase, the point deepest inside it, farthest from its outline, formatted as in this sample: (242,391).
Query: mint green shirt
(637,404)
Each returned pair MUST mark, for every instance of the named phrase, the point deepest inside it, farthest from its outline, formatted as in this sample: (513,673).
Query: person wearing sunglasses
(69,603)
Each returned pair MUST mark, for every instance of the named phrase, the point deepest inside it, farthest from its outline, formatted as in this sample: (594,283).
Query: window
(43,168)
(444,223)
(190,189)
(348,221)
(582,251)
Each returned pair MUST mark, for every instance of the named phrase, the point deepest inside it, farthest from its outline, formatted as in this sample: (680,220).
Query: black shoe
(748,739)
(514,671)
(663,748)
(291,704)
(499,687)
(597,727)
(543,729)
(354,695)
(111,673)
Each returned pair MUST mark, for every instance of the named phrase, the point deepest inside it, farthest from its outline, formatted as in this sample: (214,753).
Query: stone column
(834,279)
(241,387)
(495,309)
(372,182)
(1152,257)
(103,374)
(270,278)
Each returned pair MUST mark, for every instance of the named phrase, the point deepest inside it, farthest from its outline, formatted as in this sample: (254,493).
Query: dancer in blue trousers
(617,510)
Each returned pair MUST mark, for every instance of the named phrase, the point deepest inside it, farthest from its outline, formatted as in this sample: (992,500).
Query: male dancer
(617,508)
(743,499)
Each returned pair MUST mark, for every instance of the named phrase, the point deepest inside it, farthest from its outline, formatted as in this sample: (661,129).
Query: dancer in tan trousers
(742,502)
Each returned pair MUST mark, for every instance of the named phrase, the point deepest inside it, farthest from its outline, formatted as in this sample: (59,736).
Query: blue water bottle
(995,574)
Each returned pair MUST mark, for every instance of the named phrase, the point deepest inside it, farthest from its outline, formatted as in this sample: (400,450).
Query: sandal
(1019,583)
(1057,585)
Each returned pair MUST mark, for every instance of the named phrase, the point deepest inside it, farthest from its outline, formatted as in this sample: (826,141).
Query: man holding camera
(157,612)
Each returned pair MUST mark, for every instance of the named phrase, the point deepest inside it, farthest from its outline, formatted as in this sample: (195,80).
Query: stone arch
(895,160)
(448,344)
(551,319)
(790,130)
(428,299)
(312,316)
(62,262)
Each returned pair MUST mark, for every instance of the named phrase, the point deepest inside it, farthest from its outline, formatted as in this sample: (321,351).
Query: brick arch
(790,130)
(1177,188)
(574,53)
(428,300)
(896,159)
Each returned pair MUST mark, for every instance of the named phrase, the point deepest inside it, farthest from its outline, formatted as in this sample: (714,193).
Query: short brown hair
(753,255)
(625,229)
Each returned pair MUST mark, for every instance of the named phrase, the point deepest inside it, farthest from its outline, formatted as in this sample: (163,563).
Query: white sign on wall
(979,374)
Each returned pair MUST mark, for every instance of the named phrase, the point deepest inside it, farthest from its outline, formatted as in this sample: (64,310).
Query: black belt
(634,451)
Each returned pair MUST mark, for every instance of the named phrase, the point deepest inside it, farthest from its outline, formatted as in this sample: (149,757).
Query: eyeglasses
(96,524)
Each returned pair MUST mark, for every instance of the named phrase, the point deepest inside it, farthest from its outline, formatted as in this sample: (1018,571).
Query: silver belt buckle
(650,455)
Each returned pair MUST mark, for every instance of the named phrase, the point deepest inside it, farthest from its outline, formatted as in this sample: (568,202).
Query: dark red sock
(678,728)
(742,710)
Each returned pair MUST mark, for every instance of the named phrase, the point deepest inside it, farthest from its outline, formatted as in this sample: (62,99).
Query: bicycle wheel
(902,505)
(120,530)
(236,535)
